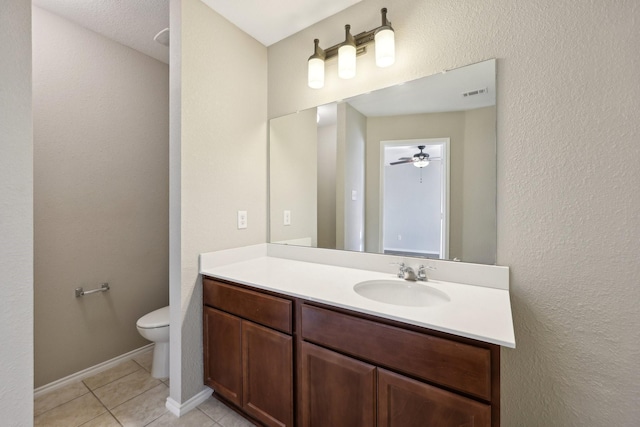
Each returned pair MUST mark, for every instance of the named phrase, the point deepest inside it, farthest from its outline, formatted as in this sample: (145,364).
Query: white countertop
(477,312)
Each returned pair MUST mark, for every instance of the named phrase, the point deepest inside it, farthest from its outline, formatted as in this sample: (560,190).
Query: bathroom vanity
(289,342)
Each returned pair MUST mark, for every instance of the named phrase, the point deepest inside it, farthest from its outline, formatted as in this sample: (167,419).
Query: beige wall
(16,215)
(568,179)
(327,139)
(479,187)
(350,154)
(222,164)
(100,194)
(293,176)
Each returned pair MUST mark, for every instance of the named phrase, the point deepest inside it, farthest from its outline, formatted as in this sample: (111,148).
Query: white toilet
(154,326)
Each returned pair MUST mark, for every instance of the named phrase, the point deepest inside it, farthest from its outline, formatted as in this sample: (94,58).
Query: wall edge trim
(179,409)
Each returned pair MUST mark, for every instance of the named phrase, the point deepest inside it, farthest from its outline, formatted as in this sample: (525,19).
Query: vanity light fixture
(347,55)
(316,67)
(383,36)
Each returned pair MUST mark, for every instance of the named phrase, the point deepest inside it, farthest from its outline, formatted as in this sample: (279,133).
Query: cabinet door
(337,391)
(267,375)
(223,354)
(403,402)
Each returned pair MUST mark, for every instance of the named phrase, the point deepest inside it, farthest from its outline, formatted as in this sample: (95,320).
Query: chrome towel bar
(104,287)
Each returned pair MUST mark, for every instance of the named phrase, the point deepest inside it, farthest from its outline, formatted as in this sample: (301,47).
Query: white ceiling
(273,20)
(134,23)
(432,94)
(437,93)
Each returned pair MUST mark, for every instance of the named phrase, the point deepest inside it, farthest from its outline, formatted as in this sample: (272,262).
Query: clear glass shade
(347,61)
(385,47)
(421,163)
(315,73)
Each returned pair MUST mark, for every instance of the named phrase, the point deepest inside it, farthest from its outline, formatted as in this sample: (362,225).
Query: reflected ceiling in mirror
(406,170)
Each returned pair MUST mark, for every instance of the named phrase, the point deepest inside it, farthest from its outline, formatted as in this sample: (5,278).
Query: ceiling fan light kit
(383,36)
(418,160)
(421,163)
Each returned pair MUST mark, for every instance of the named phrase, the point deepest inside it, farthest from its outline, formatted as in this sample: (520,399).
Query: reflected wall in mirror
(406,170)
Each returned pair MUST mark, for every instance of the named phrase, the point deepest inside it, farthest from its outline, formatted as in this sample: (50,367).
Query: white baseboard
(179,409)
(47,388)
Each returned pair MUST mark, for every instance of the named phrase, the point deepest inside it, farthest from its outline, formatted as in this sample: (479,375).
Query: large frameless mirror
(406,170)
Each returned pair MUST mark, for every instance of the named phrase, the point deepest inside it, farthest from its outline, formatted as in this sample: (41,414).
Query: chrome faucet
(410,274)
(407,273)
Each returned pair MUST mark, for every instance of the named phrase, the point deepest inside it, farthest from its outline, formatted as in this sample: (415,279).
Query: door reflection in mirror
(414,197)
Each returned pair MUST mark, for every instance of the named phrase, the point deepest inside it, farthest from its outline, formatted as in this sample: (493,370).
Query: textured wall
(568,178)
(101,156)
(16,215)
(223,165)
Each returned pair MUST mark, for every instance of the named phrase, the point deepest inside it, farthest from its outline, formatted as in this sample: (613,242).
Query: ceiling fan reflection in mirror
(418,160)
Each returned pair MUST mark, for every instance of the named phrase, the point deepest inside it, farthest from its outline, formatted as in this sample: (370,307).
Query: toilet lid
(156,319)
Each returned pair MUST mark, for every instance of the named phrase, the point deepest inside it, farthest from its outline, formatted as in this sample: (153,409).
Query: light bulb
(347,56)
(316,73)
(385,47)
(347,62)
(315,66)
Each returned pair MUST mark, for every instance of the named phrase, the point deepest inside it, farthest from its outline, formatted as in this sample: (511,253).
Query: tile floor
(126,395)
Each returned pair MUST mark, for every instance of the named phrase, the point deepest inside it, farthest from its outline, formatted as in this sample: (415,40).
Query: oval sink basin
(401,292)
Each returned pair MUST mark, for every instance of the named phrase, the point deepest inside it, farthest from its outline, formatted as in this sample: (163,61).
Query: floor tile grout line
(207,415)
(63,403)
(105,407)
(116,379)
(89,390)
(156,419)
(140,364)
(133,397)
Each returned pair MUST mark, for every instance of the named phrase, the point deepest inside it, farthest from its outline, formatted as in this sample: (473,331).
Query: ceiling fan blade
(401,162)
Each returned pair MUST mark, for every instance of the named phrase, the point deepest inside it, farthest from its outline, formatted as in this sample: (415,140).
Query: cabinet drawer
(452,364)
(264,309)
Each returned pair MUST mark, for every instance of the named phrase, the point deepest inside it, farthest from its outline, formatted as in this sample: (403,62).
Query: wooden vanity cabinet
(336,390)
(351,369)
(223,354)
(389,376)
(248,351)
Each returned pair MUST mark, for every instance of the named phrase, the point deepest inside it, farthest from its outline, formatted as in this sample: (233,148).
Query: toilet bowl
(154,326)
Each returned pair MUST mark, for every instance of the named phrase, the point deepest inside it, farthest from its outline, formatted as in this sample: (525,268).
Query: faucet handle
(401,269)
(422,272)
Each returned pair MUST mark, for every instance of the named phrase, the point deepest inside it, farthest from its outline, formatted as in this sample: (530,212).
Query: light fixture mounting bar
(349,49)
(361,39)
